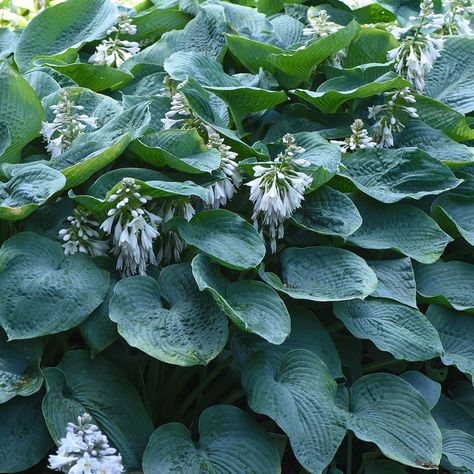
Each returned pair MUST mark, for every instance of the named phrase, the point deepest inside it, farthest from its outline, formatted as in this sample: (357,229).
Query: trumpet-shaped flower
(69,122)
(358,140)
(133,228)
(81,235)
(278,190)
(114,52)
(85,450)
(223,190)
(320,26)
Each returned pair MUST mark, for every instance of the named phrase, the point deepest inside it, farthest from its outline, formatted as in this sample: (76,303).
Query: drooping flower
(82,235)
(69,122)
(358,140)
(414,58)
(320,26)
(223,190)
(178,113)
(278,190)
(457,19)
(124,25)
(114,52)
(85,450)
(171,245)
(132,228)
(388,114)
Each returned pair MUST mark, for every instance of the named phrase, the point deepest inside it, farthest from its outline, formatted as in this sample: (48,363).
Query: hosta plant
(237,237)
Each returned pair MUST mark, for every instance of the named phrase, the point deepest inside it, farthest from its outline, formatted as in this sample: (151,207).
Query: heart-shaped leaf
(252,305)
(392,327)
(225,237)
(322,274)
(20,372)
(231,442)
(24,438)
(98,387)
(447,283)
(190,330)
(44,291)
(401,227)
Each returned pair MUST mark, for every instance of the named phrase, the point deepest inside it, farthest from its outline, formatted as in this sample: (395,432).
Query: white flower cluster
(179,108)
(132,228)
(278,190)
(358,140)
(414,58)
(387,123)
(113,51)
(69,122)
(82,236)
(457,19)
(171,245)
(85,450)
(320,25)
(223,191)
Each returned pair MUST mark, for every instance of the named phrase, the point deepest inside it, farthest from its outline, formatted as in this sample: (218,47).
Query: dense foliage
(237,238)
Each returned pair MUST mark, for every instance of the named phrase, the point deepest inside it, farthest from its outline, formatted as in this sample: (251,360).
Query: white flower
(133,228)
(358,140)
(85,450)
(414,58)
(320,25)
(114,52)
(179,109)
(278,190)
(385,114)
(223,190)
(123,26)
(68,124)
(171,245)
(457,19)
(81,235)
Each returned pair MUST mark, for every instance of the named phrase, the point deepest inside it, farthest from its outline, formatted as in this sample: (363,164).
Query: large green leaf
(455,209)
(20,372)
(98,387)
(458,447)
(456,331)
(330,95)
(251,305)
(429,389)
(190,329)
(388,411)
(230,442)
(225,237)
(322,274)
(24,438)
(328,212)
(65,26)
(396,280)
(29,187)
(179,149)
(299,394)
(442,117)
(392,327)
(390,175)
(436,143)
(402,9)
(44,291)
(291,68)
(20,112)
(451,80)
(307,332)
(447,283)
(401,227)
(95,77)
(370,46)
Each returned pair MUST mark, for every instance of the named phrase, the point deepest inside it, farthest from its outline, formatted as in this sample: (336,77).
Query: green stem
(349,453)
